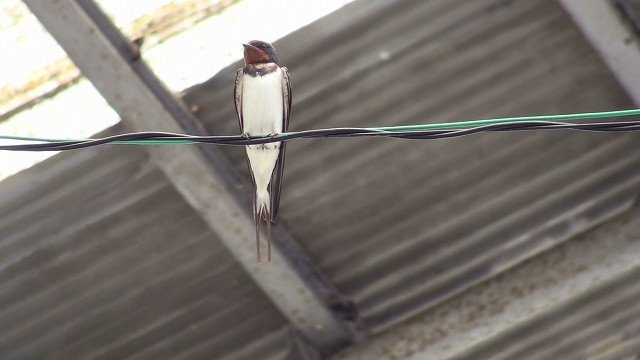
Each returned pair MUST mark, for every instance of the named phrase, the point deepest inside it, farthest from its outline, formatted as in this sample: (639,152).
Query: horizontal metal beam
(201,175)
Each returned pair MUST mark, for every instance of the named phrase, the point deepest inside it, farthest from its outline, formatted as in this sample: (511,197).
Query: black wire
(240,140)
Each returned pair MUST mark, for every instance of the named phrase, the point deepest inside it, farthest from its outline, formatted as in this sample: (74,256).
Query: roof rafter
(607,34)
(202,176)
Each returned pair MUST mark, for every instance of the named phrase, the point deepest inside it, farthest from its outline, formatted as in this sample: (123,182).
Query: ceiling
(111,252)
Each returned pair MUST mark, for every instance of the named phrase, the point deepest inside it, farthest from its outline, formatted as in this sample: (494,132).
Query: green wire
(473,123)
(437,126)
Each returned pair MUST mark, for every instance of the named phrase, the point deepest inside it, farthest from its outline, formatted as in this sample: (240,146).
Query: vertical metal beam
(202,176)
(611,38)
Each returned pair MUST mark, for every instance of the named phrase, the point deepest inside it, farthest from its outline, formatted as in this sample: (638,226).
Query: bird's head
(257,52)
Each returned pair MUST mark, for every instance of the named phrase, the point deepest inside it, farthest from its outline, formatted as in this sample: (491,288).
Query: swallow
(263,103)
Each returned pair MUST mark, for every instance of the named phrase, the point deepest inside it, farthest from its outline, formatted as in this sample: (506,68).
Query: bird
(262,96)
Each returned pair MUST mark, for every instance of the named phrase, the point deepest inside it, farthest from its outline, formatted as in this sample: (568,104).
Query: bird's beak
(247,45)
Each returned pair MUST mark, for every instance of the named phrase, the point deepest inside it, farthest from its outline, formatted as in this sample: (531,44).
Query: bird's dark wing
(237,96)
(276,177)
(286,91)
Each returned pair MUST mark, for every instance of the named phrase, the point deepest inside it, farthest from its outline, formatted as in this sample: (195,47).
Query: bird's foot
(247,136)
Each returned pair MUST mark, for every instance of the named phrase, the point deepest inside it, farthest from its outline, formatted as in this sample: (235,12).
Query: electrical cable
(412,132)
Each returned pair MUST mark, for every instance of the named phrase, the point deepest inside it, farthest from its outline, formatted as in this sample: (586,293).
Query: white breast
(262,107)
(262,103)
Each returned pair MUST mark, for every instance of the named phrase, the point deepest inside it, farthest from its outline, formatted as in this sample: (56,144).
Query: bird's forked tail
(261,207)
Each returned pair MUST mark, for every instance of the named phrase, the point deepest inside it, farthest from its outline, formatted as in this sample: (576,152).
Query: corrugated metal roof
(575,301)
(102,258)
(593,326)
(401,225)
